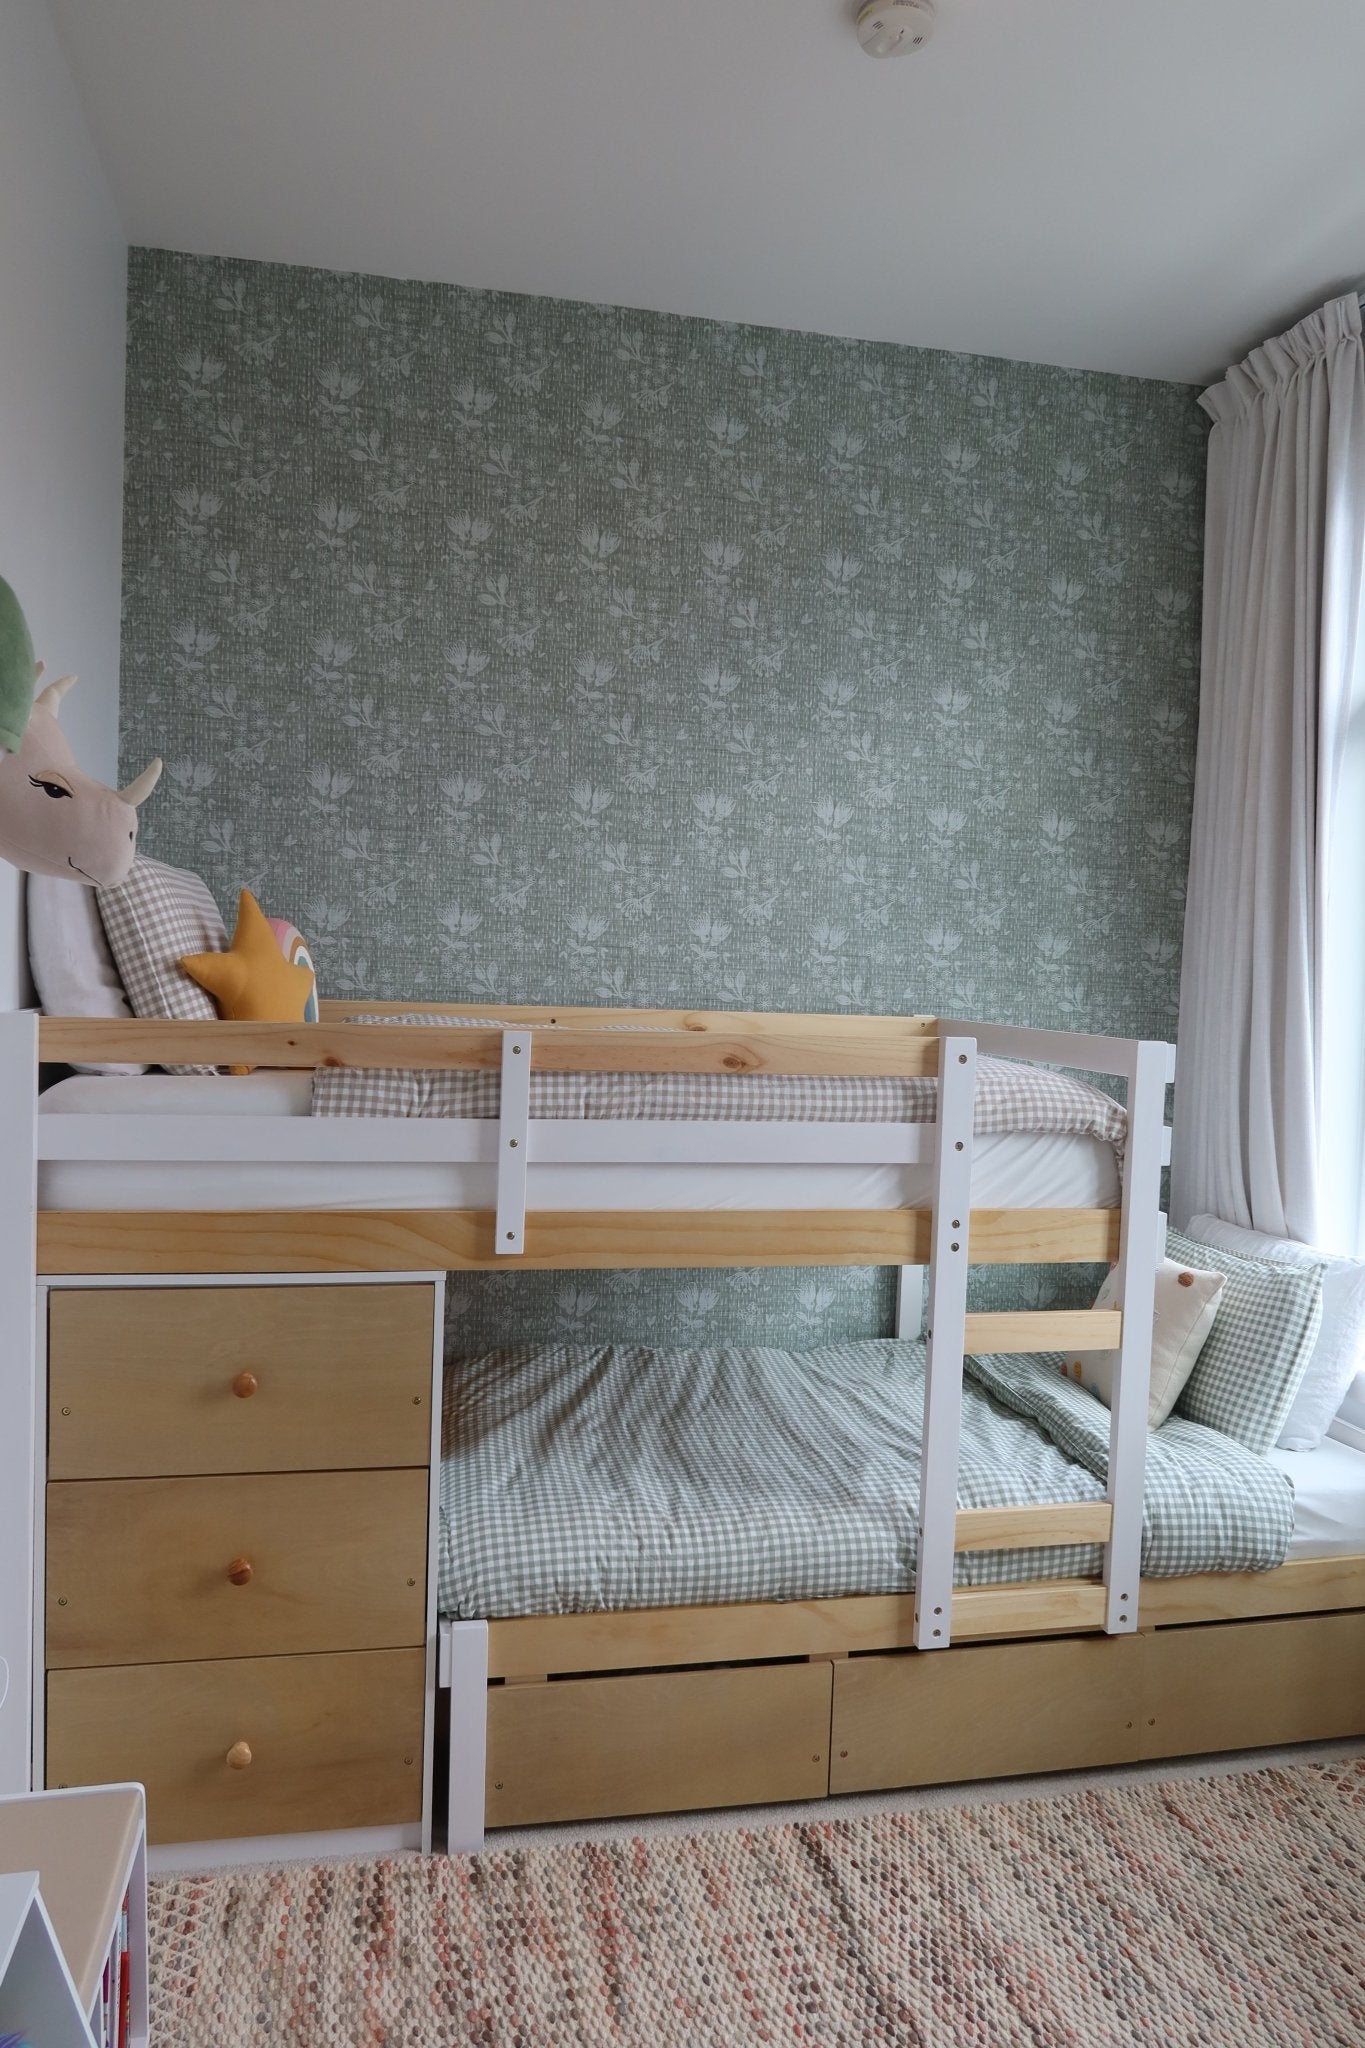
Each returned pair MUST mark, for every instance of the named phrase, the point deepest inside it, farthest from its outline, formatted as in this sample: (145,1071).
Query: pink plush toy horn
(55,820)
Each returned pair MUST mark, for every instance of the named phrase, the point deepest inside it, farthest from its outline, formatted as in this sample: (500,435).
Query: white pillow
(1339,1352)
(1351,1414)
(73,969)
(1186,1304)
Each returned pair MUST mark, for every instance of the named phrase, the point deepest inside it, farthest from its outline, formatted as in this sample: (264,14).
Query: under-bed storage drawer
(141,1570)
(150,1380)
(988,1710)
(1293,1678)
(999,1709)
(657,1742)
(257,1746)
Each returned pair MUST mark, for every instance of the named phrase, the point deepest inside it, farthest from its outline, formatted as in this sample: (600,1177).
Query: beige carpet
(1221,1912)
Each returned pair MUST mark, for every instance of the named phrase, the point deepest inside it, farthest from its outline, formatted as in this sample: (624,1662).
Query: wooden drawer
(138,1569)
(985,1710)
(334,1742)
(657,1742)
(1002,1709)
(145,1381)
(1238,1685)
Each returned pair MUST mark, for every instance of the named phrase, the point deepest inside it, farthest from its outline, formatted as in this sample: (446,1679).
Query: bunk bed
(720,1701)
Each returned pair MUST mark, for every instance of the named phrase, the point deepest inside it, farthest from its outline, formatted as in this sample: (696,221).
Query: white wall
(62,266)
(62,261)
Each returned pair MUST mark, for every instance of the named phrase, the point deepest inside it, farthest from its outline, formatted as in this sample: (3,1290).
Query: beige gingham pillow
(151,920)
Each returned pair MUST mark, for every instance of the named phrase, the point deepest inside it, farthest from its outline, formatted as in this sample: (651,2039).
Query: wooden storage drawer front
(1241,1684)
(335,1742)
(657,1742)
(142,1379)
(989,1710)
(1000,1709)
(138,1569)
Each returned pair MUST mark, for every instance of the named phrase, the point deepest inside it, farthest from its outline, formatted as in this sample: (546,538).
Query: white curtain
(1271,1079)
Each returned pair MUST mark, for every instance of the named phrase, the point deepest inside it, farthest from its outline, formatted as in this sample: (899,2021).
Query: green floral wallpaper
(526,650)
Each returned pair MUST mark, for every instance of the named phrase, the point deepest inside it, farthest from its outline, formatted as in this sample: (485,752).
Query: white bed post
(1140,1244)
(18,1364)
(514,1112)
(909,1301)
(464,1669)
(945,1343)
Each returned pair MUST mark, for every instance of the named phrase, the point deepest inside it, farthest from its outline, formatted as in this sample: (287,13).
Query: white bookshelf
(68,1861)
(37,1997)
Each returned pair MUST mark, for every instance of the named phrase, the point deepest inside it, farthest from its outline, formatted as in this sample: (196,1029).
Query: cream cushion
(73,968)
(1186,1304)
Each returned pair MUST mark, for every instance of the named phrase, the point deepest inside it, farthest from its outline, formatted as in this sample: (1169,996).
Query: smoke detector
(893,28)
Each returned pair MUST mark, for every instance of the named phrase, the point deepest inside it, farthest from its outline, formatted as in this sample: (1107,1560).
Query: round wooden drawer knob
(239,1756)
(239,1571)
(244,1386)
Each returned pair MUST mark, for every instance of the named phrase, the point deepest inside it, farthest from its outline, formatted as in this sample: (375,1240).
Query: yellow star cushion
(252,983)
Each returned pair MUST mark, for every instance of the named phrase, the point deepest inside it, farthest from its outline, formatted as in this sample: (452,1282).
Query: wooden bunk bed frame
(559,1717)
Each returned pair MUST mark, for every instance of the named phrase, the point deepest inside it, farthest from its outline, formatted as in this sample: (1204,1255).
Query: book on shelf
(114,2028)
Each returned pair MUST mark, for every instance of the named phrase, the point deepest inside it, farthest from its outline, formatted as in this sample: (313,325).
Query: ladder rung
(1024,1528)
(1047,1608)
(1051,1329)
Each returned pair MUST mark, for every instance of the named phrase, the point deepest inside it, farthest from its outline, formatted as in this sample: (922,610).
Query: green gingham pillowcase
(1245,1378)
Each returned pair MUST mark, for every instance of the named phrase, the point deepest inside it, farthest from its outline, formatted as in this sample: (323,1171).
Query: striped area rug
(1206,1911)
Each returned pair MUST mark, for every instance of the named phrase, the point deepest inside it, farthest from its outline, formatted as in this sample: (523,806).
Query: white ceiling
(1138,185)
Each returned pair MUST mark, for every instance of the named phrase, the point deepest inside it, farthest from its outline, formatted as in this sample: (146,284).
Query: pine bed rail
(557,1240)
(772,1046)
(593,1017)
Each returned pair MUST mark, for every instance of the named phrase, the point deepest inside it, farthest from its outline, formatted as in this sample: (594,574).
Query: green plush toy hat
(17,672)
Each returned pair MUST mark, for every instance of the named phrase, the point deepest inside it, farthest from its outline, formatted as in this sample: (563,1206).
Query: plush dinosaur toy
(55,820)
(16,672)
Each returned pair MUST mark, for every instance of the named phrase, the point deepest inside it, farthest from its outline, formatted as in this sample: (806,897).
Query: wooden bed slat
(1306,1585)
(655,1636)
(1027,1528)
(400,1046)
(74,1241)
(638,1638)
(652,1636)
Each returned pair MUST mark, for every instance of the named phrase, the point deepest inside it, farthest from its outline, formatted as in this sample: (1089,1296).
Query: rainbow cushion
(297,952)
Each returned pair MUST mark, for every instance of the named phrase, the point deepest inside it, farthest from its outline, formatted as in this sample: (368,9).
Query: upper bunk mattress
(1059,1151)
(588,1478)
(1012,1097)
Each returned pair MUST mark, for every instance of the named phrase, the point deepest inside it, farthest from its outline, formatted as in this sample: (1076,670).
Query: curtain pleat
(1262,1073)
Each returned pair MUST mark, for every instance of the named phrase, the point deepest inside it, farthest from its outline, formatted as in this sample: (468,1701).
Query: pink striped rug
(1208,1911)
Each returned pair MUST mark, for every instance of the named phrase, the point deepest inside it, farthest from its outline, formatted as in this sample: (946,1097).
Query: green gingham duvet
(578,1478)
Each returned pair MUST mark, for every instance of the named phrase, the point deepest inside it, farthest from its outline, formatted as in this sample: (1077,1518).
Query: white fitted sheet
(1329,1499)
(1023,1170)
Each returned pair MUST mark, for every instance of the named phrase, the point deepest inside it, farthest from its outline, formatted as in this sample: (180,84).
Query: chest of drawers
(237,1599)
